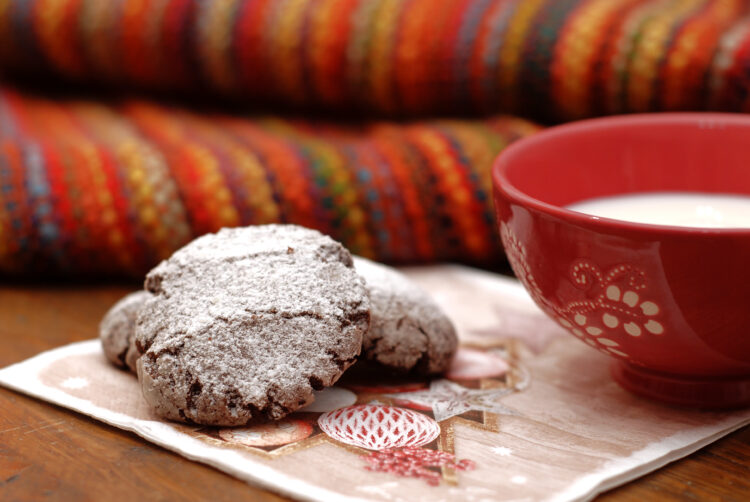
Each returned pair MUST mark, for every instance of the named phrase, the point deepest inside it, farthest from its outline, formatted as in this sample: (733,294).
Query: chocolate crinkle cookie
(117,329)
(245,323)
(409,332)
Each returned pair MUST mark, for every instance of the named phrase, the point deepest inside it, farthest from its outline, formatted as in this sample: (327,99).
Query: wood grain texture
(49,453)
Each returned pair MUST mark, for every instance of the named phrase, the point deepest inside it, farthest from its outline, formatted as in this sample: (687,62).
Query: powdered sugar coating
(117,329)
(246,322)
(409,331)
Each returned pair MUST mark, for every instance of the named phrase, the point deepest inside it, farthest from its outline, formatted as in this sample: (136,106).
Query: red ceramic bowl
(670,304)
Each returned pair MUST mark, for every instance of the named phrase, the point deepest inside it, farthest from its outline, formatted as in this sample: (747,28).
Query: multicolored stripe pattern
(550,59)
(109,189)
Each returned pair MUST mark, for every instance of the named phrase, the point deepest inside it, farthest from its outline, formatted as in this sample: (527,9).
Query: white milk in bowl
(672,208)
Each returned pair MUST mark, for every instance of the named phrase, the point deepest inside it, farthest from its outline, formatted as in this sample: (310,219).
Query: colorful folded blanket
(92,189)
(549,59)
(108,186)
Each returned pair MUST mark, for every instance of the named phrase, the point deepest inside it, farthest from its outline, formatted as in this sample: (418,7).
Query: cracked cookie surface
(409,332)
(245,323)
(117,329)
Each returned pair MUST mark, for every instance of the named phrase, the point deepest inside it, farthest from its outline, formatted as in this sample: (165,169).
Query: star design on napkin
(449,399)
(502,451)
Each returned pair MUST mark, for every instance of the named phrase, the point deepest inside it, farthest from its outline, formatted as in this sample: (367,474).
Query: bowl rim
(511,192)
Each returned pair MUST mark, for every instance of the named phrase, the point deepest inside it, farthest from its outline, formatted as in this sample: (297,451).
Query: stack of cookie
(244,324)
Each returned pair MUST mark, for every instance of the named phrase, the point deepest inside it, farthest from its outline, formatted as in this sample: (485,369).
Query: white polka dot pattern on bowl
(614,309)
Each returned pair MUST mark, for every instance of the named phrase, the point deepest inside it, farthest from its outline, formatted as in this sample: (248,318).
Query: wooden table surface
(49,453)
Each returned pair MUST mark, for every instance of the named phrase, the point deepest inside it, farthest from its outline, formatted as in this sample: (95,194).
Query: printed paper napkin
(525,413)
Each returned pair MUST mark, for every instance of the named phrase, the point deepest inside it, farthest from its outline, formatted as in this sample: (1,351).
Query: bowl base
(715,393)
